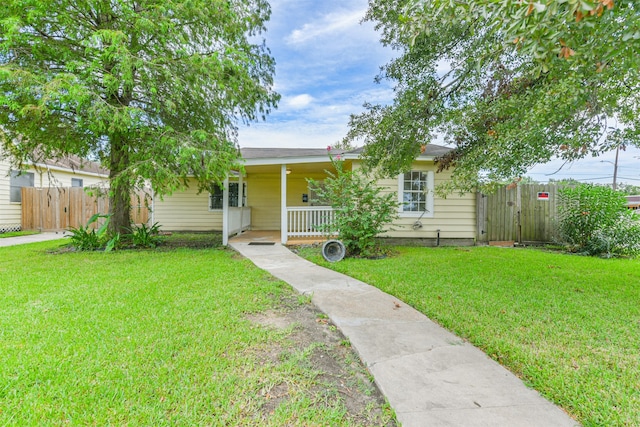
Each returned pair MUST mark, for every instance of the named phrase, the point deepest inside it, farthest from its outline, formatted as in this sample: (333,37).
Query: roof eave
(70,170)
(284,160)
(312,159)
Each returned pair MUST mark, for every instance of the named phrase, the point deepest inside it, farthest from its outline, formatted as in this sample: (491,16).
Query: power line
(579,179)
(563,173)
(592,179)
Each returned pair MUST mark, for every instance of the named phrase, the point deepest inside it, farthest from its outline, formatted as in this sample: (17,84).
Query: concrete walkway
(31,238)
(430,376)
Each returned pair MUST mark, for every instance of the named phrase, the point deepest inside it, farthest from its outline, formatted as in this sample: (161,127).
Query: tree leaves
(170,81)
(508,83)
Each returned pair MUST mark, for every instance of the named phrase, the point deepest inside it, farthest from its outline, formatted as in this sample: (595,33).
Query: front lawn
(567,325)
(163,337)
(18,233)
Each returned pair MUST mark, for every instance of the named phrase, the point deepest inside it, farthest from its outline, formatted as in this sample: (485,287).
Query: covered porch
(279,203)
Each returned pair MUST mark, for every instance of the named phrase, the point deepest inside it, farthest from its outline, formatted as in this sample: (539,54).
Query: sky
(326,62)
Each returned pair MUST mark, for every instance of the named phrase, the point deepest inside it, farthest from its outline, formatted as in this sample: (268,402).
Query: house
(633,202)
(272,193)
(68,172)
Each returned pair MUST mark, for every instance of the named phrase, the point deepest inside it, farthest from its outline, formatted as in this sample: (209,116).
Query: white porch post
(283,204)
(240,198)
(225,212)
(240,189)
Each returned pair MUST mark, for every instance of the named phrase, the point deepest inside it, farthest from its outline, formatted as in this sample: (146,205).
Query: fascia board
(69,170)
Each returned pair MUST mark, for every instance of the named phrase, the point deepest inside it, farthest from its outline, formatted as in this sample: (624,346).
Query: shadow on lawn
(204,240)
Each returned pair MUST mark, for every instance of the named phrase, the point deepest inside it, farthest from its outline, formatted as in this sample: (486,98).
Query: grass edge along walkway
(568,325)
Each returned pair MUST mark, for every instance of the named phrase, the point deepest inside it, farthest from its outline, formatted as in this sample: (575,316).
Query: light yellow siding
(9,212)
(186,211)
(454,216)
(58,178)
(298,185)
(263,197)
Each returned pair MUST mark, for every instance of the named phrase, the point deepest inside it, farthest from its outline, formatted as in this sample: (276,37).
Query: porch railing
(306,221)
(239,220)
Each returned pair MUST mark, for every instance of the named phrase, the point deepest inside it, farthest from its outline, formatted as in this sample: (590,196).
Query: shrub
(361,209)
(622,238)
(87,238)
(595,220)
(145,237)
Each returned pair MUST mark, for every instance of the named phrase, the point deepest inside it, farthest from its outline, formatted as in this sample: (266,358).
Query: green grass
(18,233)
(567,325)
(149,338)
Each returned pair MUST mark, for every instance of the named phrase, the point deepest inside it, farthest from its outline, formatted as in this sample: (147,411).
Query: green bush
(145,237)
(88,238)
(361,210)
(623,238)
(595,220)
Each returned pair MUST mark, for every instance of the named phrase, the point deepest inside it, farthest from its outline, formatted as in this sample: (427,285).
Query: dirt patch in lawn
(340,370)
(190,240)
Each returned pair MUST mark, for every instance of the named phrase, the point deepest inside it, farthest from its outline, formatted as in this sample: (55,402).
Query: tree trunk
(121,187)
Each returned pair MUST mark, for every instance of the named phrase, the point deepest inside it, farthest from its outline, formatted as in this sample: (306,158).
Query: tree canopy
(509,83)
(154,89)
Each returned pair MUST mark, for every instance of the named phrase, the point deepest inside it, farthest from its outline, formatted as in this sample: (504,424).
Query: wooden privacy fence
(525,213)
(59,208)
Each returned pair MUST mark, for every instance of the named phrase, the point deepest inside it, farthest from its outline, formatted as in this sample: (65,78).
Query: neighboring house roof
(76,164)
(632,200)
(69,163)
(254,155)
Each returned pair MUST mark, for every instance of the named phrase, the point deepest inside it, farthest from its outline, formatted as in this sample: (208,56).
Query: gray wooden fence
(525,213)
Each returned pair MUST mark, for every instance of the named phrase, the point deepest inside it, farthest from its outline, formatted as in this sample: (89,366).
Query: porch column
(240,189)
(240,198)
(283,204)
(225,212)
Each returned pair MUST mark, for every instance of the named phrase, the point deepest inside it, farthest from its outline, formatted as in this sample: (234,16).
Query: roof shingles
(431,150)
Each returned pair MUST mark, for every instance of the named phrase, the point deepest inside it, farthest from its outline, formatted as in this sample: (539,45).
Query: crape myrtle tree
(154,89)
(509,83)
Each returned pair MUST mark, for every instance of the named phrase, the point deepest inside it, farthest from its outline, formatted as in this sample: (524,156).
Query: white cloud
(299,101)
(329,24)
(292,135)
(326,61)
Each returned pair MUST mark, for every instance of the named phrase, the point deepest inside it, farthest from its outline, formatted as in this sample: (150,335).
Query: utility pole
(615,169)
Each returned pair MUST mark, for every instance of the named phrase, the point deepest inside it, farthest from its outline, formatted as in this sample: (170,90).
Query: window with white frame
(415,193)
(17,180)
(76,182)
(215,197)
